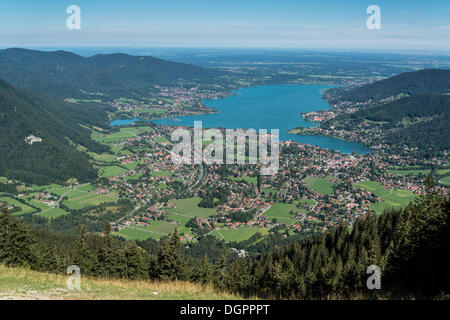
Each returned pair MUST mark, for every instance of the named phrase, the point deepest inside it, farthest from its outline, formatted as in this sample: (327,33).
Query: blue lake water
(267,107)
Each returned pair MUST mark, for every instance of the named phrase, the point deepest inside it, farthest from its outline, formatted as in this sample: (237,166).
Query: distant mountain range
(109,76)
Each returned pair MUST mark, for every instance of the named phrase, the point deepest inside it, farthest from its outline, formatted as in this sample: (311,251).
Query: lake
(267,107)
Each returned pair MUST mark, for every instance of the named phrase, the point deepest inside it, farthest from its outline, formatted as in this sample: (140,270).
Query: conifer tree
(135,266)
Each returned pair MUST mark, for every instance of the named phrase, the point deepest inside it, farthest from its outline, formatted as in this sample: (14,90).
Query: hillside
(408,111)
(19,283)
(57,123)
(428,81)
(68,75)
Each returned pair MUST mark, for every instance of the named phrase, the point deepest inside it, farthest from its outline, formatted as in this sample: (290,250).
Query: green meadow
(414,172)
(81,199)
(238,235)
(445,180)
(111,171)
(373,186)
(161,173)
(395,199)
(321,185)
(189,208)
(281,212)
(52,213)
(249,180)
(122,134)
(25,208)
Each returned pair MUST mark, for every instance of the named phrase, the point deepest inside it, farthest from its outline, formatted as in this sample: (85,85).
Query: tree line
(410,246)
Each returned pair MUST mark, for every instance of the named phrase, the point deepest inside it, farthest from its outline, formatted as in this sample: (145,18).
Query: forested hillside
(68,75)
(420,122)
(410,246)
(57,123)
(428,81)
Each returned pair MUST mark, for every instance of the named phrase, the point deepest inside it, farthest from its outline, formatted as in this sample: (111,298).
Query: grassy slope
(24,284)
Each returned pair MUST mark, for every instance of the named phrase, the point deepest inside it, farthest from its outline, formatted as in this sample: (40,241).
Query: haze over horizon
(286,24)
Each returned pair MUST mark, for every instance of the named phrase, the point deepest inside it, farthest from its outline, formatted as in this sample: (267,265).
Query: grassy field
(162,139)
(53,189)
(52,213)
(132,233)
(238,235)
(161,173)
(124,133)
(111,171)
(189,208)
(373,186)
(79,199)
(389,199)
(104,157)
(281,212)
(24,284)
(249,180)
(320,185)
(445,180)
(409,172)
(155,230)
(15,203)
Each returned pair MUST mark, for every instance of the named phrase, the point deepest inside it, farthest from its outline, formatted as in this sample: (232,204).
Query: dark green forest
(411,247)
(58,124)
(418,121)
(105,76)
(428,81)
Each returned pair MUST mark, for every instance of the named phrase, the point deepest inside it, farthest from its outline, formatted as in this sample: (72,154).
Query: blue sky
(328,24)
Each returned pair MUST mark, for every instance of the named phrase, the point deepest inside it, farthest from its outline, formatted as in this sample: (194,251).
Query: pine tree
(83,256)
(105,264)
(220,273)
(18,245)
(135,266)
(169,260)
(4,228)
(205,271)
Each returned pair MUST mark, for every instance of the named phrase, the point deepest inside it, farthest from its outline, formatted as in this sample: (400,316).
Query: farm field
(189,208)
(373,186)
(155,230)
(104,157)
(161,173)
(445,180)
(249,180)
(124,133)
(281,212)
(238,235)
(389,199)
(162,139)
(80,199)
(52,213)
(131,233)
(15,203)
(409,172)
(53,189)
(111,171)
(398,199)
(320,185)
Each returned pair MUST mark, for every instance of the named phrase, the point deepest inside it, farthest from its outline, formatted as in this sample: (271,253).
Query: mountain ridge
(113,75)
